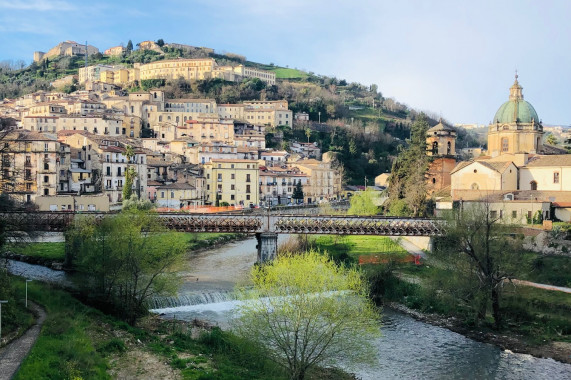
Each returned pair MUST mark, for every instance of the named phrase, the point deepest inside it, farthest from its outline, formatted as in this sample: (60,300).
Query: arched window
(533,185)
(448,148)
(505,144)
(475,186)
(435,147)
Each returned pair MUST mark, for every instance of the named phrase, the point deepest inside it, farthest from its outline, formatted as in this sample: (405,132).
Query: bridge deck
(246,223)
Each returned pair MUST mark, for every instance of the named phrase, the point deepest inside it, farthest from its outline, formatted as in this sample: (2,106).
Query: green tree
(298,193)
(125,259)
(307,311)
(483,252)
(160,42)
(129,47)
(363,203)
(308,134)
(407,179)
(551,139)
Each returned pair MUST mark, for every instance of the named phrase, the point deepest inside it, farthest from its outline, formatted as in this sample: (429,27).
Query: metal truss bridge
(245,223)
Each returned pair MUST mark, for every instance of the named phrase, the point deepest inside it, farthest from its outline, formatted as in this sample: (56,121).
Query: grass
(56,251)
(349,248)
(285,73)
(51,251)
(64,349)
(78,341)
(537,314)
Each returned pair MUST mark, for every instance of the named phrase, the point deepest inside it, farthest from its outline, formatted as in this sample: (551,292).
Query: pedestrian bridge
(266,227)
(245,223)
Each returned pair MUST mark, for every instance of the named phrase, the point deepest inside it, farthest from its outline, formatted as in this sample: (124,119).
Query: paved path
(14,353)
(409,247)
(541,286)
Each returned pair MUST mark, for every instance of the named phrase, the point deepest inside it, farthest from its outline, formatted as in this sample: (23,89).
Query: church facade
(518,165)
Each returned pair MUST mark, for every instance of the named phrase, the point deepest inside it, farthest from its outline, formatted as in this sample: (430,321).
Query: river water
(408,349)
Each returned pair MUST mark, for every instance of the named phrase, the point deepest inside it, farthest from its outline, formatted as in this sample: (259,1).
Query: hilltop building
(66,48)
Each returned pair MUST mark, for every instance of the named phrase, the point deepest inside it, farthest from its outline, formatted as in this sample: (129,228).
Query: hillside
(357,122)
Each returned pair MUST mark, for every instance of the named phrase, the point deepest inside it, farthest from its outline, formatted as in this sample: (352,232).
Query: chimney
(521,159)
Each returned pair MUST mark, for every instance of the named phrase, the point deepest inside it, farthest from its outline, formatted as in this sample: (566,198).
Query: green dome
(516,111)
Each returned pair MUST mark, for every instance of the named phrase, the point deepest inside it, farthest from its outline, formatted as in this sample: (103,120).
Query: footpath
(15,352)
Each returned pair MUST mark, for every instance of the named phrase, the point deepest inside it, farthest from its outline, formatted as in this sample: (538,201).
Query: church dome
(516,109)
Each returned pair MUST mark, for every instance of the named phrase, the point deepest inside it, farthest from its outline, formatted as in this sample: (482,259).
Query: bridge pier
(267,246)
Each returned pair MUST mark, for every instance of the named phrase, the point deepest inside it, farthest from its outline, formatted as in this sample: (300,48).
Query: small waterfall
(191,299)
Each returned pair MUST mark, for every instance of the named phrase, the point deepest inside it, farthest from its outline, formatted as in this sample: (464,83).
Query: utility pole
(365,183)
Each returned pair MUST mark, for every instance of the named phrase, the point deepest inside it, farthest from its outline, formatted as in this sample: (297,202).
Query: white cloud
(37,5)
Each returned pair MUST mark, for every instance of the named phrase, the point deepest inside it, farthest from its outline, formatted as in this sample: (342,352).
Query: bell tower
(441,145)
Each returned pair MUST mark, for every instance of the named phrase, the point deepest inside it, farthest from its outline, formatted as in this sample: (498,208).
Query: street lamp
(27,292)
(1,302)
(319,113)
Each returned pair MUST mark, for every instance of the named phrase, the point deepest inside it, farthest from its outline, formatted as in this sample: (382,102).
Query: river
(408,349)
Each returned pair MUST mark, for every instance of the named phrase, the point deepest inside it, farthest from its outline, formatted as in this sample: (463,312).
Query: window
(119,172)
(529,215)
(233,176)
(435,147)
(514,214)
(46,192)
(219,177)
(232,166)
(505,144)
(433,180)
(162,194)
(108,170)
(248,197)
(475,186)
(232,187)
(46,179)
(493,214)
(556,177)
(248,178)
(172,194)
(247,188)
(232,197)
(533,185)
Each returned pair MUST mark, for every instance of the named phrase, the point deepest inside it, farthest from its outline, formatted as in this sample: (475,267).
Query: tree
(129,46)
(482,250)
(125,259)
(407,179)
(551,139)
(308,134)
(306,311)
(160,42)
(298,193)
(363,203)
(130,173)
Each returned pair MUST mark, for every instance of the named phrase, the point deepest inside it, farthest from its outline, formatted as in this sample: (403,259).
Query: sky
(455,59)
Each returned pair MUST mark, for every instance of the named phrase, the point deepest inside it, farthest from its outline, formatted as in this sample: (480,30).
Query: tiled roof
(550,160)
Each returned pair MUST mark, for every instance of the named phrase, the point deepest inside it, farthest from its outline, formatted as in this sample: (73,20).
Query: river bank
(560,351)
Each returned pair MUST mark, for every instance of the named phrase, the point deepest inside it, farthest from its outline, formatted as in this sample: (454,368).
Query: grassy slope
(78,341)
(349,248)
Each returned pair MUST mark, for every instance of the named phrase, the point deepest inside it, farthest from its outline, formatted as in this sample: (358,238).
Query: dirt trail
(14,353)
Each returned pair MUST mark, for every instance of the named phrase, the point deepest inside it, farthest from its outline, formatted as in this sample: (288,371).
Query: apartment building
(93,73)
(177,195)
(277,184)
(30,163)
(235,182)
(96,124)
(324,182)
(189,69)
(106,158)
